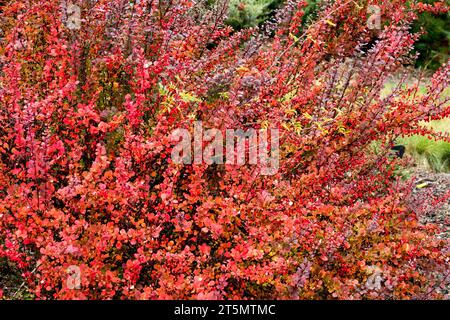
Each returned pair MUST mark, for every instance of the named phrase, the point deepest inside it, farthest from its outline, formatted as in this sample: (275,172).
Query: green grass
(427,152)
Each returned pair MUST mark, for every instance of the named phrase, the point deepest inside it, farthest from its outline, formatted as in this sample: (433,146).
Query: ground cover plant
(93,207)
(432,153)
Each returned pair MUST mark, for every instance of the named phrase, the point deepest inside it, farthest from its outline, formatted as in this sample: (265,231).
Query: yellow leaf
(307,115)
(290,111)
(298,127)
(286,126)
(330,23)
(422,185)
(293,37)
(406,247)
(310,38)
(242,69)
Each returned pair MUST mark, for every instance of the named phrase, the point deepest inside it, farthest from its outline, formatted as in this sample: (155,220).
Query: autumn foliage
(86,177)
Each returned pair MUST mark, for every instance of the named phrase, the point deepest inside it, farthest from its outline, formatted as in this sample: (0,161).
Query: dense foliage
(86,177)
(433,45)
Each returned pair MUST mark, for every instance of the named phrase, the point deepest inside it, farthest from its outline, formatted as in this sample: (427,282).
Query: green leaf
(187,97)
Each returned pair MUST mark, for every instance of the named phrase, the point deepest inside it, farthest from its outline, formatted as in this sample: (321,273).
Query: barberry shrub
(87,182)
